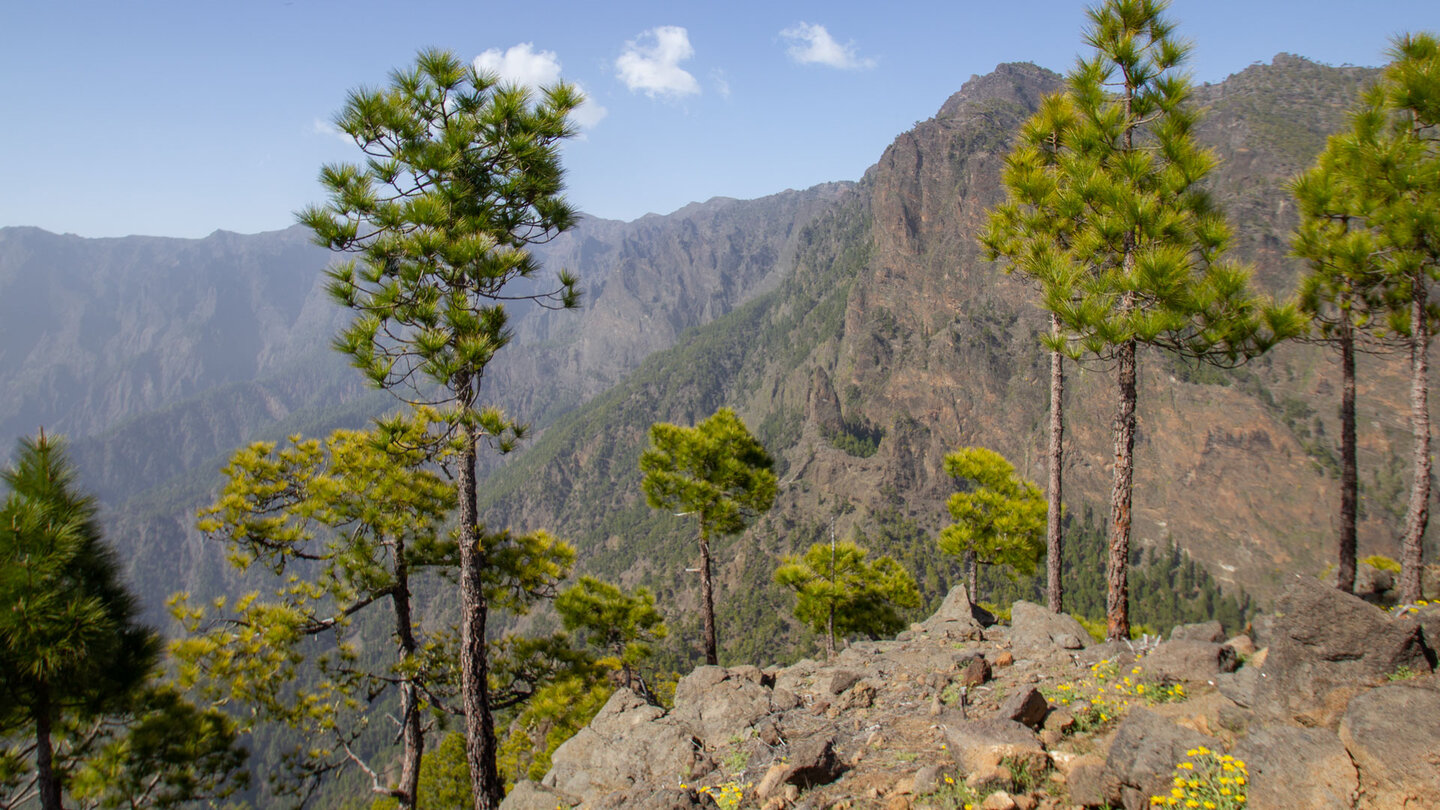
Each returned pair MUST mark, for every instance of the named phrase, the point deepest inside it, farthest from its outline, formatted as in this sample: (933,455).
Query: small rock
(1004,659)
(1060,720)
(774,777)
(1085,779)
(835,681)
(975,673)
(1191,661)
(927,780)
(1051,738)
(1027,707)
(1243,646)
(999,800)
(898,803)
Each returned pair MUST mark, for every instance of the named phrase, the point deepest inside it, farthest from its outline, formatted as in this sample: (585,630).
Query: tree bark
(412,732)
(972,577)
(1417,516)
(707,598)
(830,633)
(480,747)
(1117,608)
(1053,538)
(47,780)
(1349,474)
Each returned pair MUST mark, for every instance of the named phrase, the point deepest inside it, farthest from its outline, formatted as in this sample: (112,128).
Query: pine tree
(623,626)
(362,517)
(1140,261)
(1343,294)
(461,175)
(838,592)
(1031,231)
(1374,201)
(999,517)
(717,472)
(78,670)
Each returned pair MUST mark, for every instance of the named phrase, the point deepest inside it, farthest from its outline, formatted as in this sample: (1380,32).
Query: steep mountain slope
(160,356)
(893,326)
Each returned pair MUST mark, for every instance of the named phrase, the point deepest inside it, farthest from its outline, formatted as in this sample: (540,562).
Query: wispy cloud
(322,127)
(813,45)
(722,84)
(651,63)
(524,65)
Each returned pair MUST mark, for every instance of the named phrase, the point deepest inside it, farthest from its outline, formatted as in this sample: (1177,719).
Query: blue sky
(178,118)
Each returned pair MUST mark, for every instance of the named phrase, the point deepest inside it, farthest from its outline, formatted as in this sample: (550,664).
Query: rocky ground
(1330,702)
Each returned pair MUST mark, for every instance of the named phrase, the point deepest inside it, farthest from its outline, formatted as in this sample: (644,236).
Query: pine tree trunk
(480,747)
(1349,478)
(1053,539)
(412,732)
(830,633)
(1117,608)
(707,597)
(46,779)
(972,577)
(1417,516)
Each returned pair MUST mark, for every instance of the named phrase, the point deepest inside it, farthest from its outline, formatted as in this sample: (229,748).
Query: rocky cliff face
(1337,708)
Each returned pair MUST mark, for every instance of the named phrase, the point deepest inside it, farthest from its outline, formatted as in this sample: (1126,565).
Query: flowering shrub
(1207,780)
(726,795)
(1107,694)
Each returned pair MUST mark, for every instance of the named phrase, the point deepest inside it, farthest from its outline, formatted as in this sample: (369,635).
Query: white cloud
(523,65)
(812,44)
(651,62)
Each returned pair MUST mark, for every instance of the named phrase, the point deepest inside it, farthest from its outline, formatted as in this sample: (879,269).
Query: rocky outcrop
(902,724)
(1033,629)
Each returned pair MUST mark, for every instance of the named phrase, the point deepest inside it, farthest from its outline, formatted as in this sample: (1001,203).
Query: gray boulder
(1142,757)
(1027,707)
(1393,734)
(1191,661)
(1035,630)
(1297,767)
(629,742)
(979,745)
(1326,647)
(957,619)
(717,704)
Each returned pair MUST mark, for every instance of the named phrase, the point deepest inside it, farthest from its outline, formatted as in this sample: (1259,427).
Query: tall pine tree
(461,174)
(1373,200)
(1140,260)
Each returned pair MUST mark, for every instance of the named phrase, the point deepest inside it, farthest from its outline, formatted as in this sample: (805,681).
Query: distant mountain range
(853,325)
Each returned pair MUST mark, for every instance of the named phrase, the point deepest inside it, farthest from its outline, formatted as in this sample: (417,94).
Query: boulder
(978,746)
(629,742)
(957,619)
(1326,647)
(1243,646)
(1085,781)
(834,681)
(812,762)
(1027,707)
(1393,734)
(1191,661)
(717,703)
(1297,767)
(1210,632)
(1143,755)
(1033,629)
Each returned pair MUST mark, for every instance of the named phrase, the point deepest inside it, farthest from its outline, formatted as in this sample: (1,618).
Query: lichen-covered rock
(1297,767)
(957,619)
(1393,734)
(1143,755)
(629,742)
(717,703)
(1034,629)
